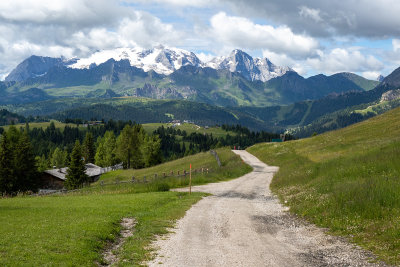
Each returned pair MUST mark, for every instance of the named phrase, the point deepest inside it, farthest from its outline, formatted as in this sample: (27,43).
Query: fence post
(133,179)
(190,179)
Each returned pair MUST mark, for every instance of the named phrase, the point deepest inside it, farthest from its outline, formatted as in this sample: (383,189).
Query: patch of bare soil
(109,256)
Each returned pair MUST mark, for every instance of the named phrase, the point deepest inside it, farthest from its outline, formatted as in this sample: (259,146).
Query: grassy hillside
(347,180)
(231,166)
(189,128)
(74,229)
(43,125)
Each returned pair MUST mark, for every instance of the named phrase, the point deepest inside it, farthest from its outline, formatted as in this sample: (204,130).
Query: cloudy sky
(314,36)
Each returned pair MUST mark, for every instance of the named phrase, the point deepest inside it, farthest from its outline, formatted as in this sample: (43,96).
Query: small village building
(55,178)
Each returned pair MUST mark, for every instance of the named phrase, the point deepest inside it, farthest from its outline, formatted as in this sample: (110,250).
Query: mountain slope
(346,180)
(218,87)
(249,67)
(34,66)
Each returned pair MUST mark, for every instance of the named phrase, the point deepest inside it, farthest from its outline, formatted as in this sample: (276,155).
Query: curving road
(243,224)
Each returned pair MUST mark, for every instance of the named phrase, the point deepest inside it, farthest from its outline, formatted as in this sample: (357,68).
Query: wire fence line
(155,177)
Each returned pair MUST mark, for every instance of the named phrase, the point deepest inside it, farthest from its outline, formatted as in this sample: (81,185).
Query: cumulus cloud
(71,13)
(285,60)
(372,75)
(396,44)
(348,60)
(243,33)
(182,3)
(362,18)
(74,28)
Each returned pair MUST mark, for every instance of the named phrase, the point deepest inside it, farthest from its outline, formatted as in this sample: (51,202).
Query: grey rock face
(35,66)
(251,68)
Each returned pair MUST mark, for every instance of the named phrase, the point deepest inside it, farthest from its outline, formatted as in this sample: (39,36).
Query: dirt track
(243,224)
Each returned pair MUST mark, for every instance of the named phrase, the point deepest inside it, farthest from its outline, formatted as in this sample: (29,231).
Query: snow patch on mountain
(166,60)
(163,60)
(251,68)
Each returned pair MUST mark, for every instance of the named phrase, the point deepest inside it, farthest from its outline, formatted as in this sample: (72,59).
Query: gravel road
(243,224)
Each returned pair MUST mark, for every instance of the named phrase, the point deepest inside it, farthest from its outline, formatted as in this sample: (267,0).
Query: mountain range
(171,73)
(158,84)
(160,59)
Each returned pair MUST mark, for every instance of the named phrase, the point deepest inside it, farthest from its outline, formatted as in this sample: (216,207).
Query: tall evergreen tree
(100,157)
(129,146)
(59,158)
(124,146)
(110,146)
(25,165)
(88,148)
(76,175)
(7,178)
(42,163)
(152,150)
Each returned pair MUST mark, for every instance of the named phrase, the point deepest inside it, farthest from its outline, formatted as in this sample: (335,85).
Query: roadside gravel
(243,224)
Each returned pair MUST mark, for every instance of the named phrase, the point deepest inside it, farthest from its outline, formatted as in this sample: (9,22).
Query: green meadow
(347,180)
(73,229)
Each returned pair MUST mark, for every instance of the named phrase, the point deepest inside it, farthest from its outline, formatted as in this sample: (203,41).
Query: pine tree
(124,146)
(7,178)
(25,168)
(76,175)
(89,150)
(110,146)
(42,163)
(100,154)
(151,150)
(129,144)
(59,158)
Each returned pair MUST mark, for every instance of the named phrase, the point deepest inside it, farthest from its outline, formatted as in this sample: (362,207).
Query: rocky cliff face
(390,95)
(155,92)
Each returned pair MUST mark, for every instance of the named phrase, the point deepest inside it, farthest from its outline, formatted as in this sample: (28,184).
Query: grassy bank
(231,167)
(347,180)
(73,229)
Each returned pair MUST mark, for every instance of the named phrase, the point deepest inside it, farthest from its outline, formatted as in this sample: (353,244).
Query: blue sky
(314,36)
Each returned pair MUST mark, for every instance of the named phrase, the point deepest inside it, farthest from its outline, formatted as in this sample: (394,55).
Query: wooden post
(190,179)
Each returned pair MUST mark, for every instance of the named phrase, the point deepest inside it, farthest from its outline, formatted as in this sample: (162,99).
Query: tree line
(25,152)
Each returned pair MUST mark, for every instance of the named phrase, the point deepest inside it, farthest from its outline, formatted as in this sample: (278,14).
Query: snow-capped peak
(163,60)
(251,68)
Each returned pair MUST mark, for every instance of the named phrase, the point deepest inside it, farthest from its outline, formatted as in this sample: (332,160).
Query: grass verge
(73,229)
(232,166)
(347,180)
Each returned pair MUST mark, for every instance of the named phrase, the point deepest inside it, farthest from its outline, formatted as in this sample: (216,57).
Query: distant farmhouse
(55,178)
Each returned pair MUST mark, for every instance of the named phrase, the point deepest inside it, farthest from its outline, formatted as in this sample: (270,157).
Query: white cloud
(205,57)
(372,75)
(74,28)
(182,3)
(310,13)
(361,18)
(243,33)
(348,60)
(61,12)
(396,44)
(147,30)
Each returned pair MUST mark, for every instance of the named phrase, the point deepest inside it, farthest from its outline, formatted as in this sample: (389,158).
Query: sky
(310,36)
